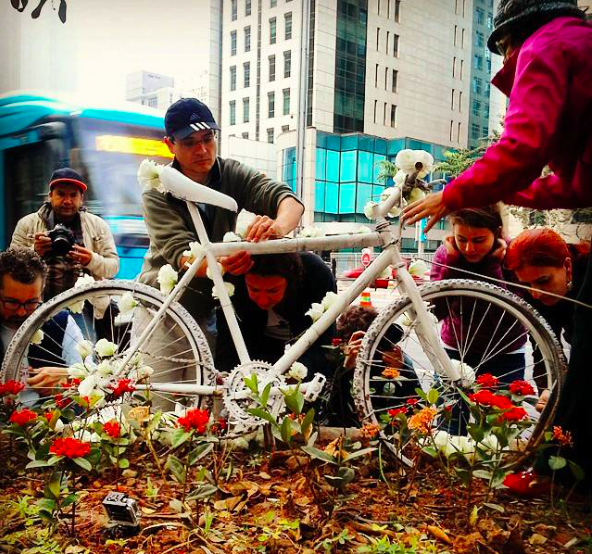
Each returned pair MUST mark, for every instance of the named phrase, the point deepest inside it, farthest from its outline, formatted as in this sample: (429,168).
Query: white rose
(195,249)
(310,232)
(77,371)
(406,320)
(298,371)
(209,272)
(143,372)
(466,372)
(59,426)
(426,160)
(105,348)
(149,175)
(316,311)
(418,267)
(76,307)
(399,178)
(369,209)
(84,348)
(127,303)
(231,237)
(84,280)
(104,369)
(329,299)
(167,278)
(97,398)
(37,337)
(405,161)
(229,289)
(363,230)
(416,194)
(241,229)
(88,384)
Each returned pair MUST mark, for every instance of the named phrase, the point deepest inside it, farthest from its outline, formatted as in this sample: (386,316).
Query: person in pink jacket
(547,73)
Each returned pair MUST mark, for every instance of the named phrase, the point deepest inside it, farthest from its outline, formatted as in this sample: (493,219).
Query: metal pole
(303,96)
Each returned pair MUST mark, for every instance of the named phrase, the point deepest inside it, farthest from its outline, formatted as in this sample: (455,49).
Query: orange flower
(391,373)
(561,436)
(370,431)
(422,420)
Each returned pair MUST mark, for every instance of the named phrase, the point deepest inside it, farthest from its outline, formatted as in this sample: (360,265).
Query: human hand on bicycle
(264,228)
(431,206)
(352,349)
(238,263)
(45,379)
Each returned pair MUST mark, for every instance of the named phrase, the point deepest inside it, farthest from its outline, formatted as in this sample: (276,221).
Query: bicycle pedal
(314,387)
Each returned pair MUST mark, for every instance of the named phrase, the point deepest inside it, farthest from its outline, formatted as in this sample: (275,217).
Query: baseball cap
(186,116)
(67,176)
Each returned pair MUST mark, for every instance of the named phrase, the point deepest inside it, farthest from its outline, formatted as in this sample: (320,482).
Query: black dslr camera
(62,240)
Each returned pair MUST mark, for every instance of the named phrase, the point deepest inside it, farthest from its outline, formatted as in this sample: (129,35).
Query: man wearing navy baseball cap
(71,240)
(191,137)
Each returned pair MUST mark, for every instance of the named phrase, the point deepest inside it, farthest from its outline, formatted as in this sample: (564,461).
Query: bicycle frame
(384,236)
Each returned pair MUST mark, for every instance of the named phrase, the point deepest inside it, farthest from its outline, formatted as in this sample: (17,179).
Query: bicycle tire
(150,299)
(370,407)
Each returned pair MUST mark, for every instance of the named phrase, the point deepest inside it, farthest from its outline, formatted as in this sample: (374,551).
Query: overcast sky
(103,40)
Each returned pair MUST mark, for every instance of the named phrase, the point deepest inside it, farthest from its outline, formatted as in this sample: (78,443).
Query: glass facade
(350,62)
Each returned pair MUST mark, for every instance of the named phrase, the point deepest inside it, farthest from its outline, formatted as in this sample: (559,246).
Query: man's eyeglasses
(14,305)
(192,142)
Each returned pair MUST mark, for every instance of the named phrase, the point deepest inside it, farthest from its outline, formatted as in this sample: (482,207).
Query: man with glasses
(22,278)
(191,137)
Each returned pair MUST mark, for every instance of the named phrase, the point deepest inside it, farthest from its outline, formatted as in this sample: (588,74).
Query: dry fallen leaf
(439,534)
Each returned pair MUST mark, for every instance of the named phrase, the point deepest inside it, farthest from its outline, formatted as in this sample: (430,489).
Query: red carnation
(514,414)
(396,411)
(112,428)
(70,448)
(412,401)
(123,386)
(11,387)
(483,397)
(487,380)
(60,401)
(195,420)
(23,417)
(336,341)
(71,384)
(501,402)
(521,388)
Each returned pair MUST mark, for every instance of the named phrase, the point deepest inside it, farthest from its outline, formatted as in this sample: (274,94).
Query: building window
(287,64)
(398,11)
(478,61)
(396,46)
(272,3)
(270,136)
(271,68)
(248,39)
(246,106)
(272,30)
(233,77)
(393,116)
(233,43)
(460,101)
(452,101)
(451,131)
(477,85)
(378,39)
(384,114)
(475,131)
(288,25)
(376,77)
(454,67)
(286,128)
(245,136)
(247,7)
(458,132)
(480,39)
(379,7)
(462,69)
(462,38)
(388,36)
(385,77)
(271,104)
(153,102)
(375,107)
(247,74)
(480,16)
(233,9)
(232,112)
(476,108)
(286,93)
(455,35)
(456,3)
(395,80)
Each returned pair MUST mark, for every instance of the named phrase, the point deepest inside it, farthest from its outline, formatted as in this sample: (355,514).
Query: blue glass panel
(366,159)
(319,197)
(376,192)
(363,195)
(321,139)
(349,142)
(332,168)
(380,146)
(321,155)
(419,145)
(331,198)
(289,155)
(377,158)
(394,146)
(347,199)
(348,166)
(333,142)
(366,143)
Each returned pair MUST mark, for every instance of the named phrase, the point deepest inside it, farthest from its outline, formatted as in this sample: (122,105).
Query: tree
(20,6)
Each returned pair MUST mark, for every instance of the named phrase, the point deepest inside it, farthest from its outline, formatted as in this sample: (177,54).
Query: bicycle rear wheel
(177,351)
(490,331)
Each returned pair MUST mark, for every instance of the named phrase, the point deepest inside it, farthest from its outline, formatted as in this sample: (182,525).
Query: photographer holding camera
(70,240)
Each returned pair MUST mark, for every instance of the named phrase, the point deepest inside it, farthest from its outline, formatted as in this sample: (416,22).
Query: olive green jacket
(171,230)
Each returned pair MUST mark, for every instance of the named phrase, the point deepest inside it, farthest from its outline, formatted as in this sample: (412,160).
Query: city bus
(105,144)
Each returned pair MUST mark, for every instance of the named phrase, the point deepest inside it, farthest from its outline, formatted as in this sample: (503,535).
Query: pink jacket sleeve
(517,159)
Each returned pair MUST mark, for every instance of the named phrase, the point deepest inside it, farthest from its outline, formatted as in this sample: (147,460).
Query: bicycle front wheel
(117,311)
(502,347)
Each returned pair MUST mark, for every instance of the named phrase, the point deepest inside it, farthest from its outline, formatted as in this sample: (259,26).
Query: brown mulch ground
(271,504)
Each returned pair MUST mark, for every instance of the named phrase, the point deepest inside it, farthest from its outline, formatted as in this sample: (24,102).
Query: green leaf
(199,452)
(557,462)
(307,421)
(47,504)
(251,383)
(286,430)
(36,463)
(179,436)
(70,499)
(153,422)
(576,471)
(265,395)
(263,414)
(123,463)
(83,463)
(319,454)
(176,467)
(54,486)
(495,507)
(421,394)
(54,460)
(294,401)
(358,453)
(202,492)
(433,396)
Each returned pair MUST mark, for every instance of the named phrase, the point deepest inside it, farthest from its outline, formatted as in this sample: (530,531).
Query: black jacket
(317,280)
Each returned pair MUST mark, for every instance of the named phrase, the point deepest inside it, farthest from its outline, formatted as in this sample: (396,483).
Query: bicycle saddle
(185,189)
